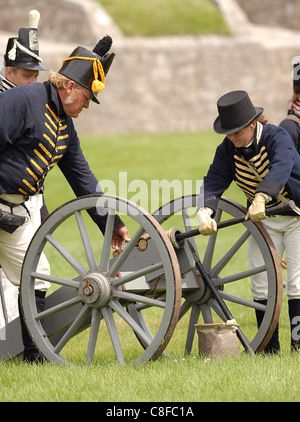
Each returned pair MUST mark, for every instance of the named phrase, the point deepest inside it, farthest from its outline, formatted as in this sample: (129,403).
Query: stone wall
(173,84)
(62,21)
(283,13)
(163,83)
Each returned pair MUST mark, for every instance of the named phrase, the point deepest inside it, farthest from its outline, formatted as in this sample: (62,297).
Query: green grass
(176,378)
(166,17)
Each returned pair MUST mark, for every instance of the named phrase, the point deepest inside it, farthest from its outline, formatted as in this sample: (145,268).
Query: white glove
(257,210)
(207,225)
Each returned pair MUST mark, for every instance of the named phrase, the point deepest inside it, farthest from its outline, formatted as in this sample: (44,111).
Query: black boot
(31,353)
(294,314)
(273,346)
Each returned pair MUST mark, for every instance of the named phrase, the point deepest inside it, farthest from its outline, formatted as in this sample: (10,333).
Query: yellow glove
(257,210)
(207,225)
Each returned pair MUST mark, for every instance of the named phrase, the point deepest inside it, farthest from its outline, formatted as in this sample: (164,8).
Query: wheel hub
(201,294)
(95,290)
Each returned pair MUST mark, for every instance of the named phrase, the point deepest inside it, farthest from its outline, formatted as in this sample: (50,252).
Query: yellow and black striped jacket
(276,166)
(35,136)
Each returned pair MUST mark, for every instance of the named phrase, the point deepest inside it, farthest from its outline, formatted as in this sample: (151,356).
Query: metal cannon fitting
(172,233)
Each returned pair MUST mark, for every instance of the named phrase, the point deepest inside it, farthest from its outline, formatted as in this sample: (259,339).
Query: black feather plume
(103,46)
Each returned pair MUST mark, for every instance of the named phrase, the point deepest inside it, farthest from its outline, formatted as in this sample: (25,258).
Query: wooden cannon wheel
(217,255)
(88,286)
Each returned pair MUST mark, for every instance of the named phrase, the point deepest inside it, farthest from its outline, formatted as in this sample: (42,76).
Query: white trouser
(285,233)
(14,246)
(11,293)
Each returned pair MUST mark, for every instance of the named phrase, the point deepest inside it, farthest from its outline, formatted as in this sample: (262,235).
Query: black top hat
(89,68)
(236,111)
(24,51)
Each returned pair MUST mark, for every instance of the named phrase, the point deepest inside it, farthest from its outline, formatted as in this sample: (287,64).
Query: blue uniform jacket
(36,135)
(293,129)
(275,159)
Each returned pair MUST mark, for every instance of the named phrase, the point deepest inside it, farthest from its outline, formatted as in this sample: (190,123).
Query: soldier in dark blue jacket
(36,134)
(22,65)
(263,162)
(291,123)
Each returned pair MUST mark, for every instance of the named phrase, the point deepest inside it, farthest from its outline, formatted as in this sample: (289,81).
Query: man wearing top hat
(36,134)
(21,66)
(22,62)
(269,150)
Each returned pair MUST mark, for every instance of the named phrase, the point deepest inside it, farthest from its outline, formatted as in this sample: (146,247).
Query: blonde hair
(58,80)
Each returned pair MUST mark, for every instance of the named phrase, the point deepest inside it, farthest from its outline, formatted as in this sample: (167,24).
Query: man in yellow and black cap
(22,62)
(88,68)
(36,134)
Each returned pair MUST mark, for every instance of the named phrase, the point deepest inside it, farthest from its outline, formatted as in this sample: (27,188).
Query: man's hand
(257,210)
(207,225)
(119,236)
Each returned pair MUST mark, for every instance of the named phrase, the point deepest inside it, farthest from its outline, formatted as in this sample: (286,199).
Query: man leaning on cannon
(36,134)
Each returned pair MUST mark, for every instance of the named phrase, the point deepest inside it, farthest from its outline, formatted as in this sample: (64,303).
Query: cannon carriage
(130,305)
